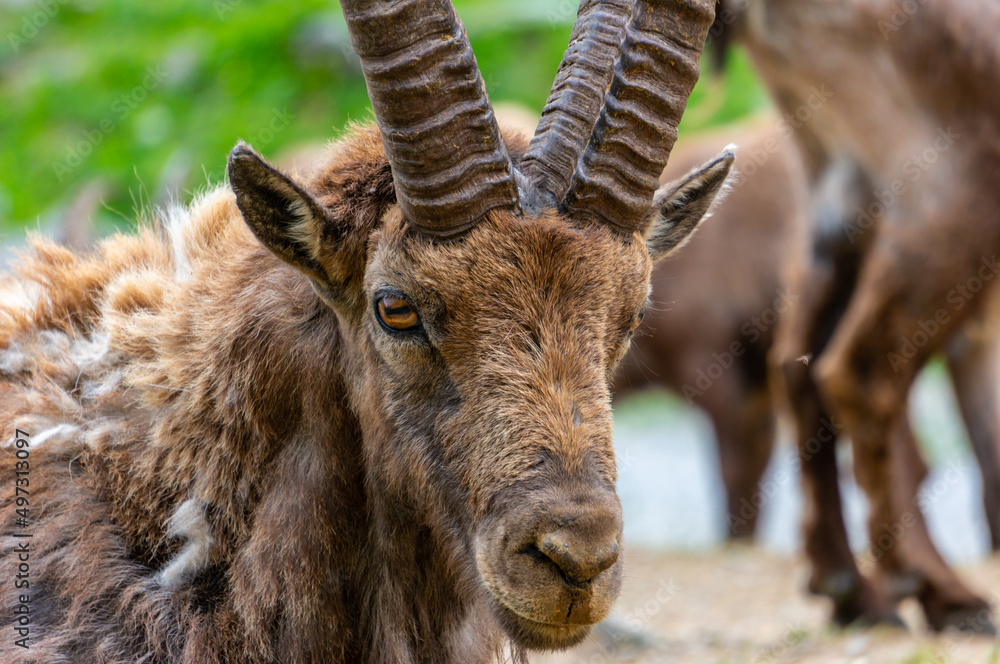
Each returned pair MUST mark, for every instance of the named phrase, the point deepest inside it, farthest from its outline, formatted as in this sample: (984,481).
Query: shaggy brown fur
(232,461)
(903,163)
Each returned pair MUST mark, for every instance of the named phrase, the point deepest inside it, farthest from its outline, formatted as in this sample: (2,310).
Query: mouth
(533,635)
(540,609)
(551,566)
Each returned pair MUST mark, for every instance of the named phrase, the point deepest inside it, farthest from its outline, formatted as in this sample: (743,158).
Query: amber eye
(397,314)
(638,319)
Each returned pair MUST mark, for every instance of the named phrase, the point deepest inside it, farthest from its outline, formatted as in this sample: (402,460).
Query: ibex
(715,308)
(363,417)
(903,159)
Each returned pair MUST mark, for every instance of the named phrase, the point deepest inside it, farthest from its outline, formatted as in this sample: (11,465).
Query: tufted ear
(680,206)
(284,217)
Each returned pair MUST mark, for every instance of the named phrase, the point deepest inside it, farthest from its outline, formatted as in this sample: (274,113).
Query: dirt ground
(744,605)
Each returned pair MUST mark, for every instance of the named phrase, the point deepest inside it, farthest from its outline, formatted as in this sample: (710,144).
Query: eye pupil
(395,307)
(397,314)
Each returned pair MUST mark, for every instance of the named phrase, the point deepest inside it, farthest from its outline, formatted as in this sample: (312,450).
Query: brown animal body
(714,307)
(363,417)
(901,140)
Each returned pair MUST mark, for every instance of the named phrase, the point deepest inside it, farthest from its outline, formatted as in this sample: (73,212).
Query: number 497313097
(22,468)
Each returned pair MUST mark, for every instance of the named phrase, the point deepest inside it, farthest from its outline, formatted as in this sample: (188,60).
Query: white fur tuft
(14,360)
(89,351)
(178,217)
(189,523)
(19,295)
(61,433)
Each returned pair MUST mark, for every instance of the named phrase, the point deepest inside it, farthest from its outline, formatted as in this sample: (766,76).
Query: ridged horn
(576,97)
(449,163)
(620,168)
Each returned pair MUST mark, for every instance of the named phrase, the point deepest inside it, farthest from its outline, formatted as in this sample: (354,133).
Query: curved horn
(449,163)
(619,171)
(576,97)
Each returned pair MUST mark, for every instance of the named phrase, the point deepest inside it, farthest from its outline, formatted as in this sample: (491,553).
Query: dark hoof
(744,539)
(741,532)
(861,617)
(856,602)
(971,620)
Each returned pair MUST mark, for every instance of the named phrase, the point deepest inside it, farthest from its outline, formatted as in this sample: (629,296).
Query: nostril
(532,551)
(579,561)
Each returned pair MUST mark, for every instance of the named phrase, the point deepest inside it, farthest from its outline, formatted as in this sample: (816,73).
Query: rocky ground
(742,605)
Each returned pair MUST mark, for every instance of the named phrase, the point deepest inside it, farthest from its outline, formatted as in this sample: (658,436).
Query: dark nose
(582,549)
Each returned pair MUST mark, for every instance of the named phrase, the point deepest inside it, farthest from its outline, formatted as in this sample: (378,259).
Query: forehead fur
(505,267)
(514,261)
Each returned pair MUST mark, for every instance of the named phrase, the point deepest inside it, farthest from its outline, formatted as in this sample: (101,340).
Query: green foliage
(148,97)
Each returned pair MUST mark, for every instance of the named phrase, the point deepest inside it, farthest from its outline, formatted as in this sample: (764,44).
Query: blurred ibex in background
(363,417)
(903,162)
(715,306)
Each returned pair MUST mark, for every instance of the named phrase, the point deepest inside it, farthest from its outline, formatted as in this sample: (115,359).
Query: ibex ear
(680,206)
(284,217)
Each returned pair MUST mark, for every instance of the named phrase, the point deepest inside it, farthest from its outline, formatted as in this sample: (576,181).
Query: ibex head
(485,308)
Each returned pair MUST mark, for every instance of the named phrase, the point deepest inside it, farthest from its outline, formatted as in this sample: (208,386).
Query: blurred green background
(129,103)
